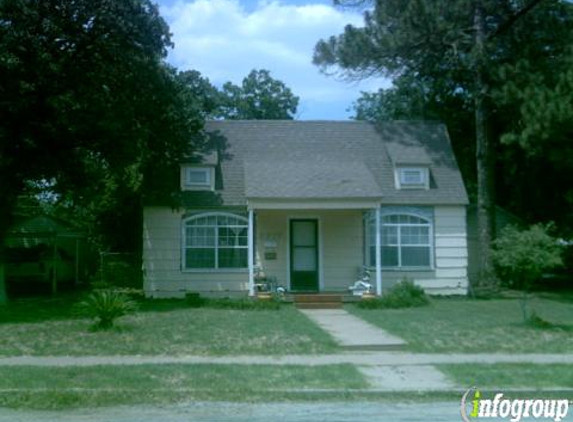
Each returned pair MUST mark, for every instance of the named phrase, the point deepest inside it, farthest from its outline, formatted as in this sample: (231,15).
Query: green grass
(160,327)
(508,376)
(39,309)
(459,325)
(65,387)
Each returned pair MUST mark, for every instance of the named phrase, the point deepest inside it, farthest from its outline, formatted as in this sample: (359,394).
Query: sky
(226,39)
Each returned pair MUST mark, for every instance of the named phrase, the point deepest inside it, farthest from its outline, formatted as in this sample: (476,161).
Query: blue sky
(226,39)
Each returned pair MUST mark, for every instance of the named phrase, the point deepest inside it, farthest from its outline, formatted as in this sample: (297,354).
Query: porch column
(378,255)
(250,244)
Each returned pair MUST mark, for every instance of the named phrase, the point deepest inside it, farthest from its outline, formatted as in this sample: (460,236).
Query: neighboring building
(301,200)
(44,249)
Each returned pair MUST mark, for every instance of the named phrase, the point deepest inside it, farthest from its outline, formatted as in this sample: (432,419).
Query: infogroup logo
(475,407)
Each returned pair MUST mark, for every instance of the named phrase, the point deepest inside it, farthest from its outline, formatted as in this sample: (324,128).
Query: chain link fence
(120,270)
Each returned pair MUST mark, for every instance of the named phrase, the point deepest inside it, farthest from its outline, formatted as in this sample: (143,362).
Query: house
(309,203)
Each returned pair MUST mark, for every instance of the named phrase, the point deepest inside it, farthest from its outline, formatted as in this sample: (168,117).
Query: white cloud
(225,41)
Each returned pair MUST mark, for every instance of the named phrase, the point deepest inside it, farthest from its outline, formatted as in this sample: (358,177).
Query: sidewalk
(366,358)
(385,371)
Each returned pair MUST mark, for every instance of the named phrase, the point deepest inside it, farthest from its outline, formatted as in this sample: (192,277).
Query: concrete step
(317,298)
(318,305)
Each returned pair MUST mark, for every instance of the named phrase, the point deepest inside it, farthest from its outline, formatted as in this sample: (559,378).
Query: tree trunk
(484,160)
(3,229)
(3,294)
(8,195)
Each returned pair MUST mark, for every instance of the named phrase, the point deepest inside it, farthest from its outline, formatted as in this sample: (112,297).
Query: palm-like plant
(105,306)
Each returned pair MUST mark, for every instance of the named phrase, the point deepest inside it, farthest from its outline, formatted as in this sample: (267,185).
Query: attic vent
(412,177)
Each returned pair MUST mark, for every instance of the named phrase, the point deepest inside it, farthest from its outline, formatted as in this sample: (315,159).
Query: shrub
(404,294)
(521,256)
(194,300)
(105,306)
(119,270)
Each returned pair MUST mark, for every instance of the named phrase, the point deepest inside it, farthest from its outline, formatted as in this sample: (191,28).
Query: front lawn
(460,325)
(66,387)
(160,327)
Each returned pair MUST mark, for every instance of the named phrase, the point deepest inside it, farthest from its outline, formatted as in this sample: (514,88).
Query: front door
(304,255)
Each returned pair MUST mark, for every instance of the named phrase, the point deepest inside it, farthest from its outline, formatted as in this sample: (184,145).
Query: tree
(86,101)
(259,97)
(524,100)
(456,46)
(545,104)
(200,92)
(407,99)
(542,103)
(521,257)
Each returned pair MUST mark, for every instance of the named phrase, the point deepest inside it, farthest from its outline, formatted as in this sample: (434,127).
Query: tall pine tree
(458,45)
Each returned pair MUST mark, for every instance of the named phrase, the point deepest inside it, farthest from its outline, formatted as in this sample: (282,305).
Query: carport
(54,234)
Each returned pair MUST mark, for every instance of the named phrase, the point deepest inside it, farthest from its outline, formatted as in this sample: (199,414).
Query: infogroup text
(475,407)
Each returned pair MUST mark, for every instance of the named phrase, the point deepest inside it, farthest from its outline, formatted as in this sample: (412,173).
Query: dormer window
(197,178)
(412,178)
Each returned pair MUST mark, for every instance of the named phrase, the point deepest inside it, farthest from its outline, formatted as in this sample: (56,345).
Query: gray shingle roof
(309,179)
(291,159)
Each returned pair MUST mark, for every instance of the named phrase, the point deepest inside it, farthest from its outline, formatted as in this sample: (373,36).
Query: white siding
(162,261)
(450,241)
(340,245)
(450,251)
(343,249)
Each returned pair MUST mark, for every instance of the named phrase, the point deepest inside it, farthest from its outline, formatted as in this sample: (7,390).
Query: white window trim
(216,246)
(429,223)
(401,183)
(208,185)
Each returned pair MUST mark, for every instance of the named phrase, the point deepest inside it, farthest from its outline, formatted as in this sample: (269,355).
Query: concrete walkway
(353,333)
(350,331)
(385,371)
(366,359)
(406,378)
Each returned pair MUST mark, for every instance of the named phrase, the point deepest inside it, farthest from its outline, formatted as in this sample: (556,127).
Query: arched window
(215,240)
(406,241)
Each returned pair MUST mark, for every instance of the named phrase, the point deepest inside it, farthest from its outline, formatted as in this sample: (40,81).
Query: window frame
(216,246)
(209,172)
(402,183)
(371,231)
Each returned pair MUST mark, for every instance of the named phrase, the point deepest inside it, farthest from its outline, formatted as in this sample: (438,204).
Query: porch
(309,251)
